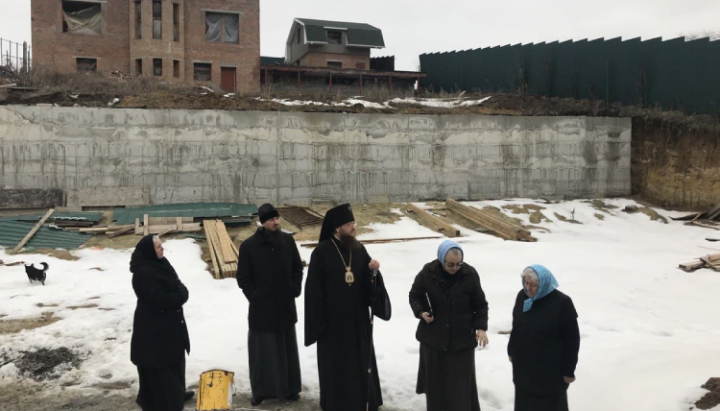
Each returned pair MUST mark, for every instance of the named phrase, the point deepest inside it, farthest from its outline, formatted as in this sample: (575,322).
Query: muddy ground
(31,396)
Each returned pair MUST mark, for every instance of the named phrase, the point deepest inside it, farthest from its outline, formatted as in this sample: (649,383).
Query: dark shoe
(189,395)
(293,397)
(255,401)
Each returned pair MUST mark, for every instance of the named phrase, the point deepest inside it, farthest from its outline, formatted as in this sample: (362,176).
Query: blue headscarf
(546,284)
(446,246)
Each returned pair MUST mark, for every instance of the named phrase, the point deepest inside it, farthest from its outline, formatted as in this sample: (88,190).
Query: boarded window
(222,28)
(157,67)
(86,64)
(334,64)
(203,72)
(80,17)
(334,37)
(138,19)
(176,68)
(157,19)
(138,67)
(176,22)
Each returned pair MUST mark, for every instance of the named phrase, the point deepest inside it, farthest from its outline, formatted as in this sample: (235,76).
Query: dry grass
(15,326)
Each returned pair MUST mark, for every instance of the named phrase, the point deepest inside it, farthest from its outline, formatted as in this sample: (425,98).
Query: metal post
(25,58)
(391,86)
(1,51)
(299,79)
(361,83)
(330,86)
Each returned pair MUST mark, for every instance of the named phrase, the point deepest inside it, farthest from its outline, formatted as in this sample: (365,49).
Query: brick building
(200,41)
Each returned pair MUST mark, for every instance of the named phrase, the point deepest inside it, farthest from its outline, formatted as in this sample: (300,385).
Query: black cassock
(337,318)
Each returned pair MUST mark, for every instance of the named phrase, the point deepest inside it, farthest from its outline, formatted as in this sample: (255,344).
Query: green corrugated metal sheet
(272,60)
(123,216)
(81,216)
(672,74)
(12,232)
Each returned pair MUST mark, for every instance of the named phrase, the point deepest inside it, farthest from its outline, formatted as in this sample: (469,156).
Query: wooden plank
(146,225)
(105,229)
(225,243)
(211,250)
(212,228)
(180,224)
(434,222)
(502,228)
(169,220)
(137,226)
(118,233)
(34,230)
(692,266)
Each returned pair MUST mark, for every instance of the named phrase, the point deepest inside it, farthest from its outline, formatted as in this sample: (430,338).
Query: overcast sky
(413,27)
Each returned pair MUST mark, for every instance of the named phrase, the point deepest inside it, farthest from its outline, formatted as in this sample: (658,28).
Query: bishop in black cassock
(343,287)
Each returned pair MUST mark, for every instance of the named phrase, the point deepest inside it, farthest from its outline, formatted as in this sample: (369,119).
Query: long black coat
(271,278)
(459,307)
(337,318)
(544,343)
(160,336)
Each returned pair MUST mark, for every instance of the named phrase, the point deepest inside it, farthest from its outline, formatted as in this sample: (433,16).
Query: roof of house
(358,34)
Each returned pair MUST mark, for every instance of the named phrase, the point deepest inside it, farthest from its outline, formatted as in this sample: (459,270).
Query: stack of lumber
(435,223)
(223,253)
(503,229)
(711,261)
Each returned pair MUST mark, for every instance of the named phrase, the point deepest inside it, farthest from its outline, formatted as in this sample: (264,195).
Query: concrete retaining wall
(295,158)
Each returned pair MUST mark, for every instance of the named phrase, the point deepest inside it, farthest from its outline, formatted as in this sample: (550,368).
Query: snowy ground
(426,102)
(651,333)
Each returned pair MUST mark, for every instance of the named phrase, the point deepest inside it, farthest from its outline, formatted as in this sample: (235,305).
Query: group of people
(344,293)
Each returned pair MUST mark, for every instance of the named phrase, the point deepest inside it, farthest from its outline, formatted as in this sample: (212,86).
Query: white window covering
(86,21)
(231,28)
(213,27)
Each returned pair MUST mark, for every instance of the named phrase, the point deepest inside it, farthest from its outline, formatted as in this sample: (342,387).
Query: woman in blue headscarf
(544,343)
(450,303)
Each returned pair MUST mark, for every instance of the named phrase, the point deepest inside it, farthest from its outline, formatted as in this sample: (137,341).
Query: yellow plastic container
(215,390)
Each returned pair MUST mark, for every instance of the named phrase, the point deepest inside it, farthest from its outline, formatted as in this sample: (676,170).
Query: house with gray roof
(334,44)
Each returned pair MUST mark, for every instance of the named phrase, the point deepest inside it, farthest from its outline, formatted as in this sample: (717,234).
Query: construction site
(596,159)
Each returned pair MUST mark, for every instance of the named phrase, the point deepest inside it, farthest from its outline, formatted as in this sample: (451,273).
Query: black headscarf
(145,255)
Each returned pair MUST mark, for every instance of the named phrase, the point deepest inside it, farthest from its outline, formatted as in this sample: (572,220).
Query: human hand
(374,265)
(427,317)
(569,380)
(482,338)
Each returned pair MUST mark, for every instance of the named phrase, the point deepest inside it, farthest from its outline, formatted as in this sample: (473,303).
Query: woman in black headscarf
(160,337)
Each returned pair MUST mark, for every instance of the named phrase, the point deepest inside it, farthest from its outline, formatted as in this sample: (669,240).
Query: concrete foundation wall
(295,158)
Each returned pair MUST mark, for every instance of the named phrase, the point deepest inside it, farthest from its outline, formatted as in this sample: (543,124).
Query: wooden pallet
(711,261)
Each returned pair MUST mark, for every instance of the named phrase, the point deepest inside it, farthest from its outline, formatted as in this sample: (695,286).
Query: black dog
(37,275)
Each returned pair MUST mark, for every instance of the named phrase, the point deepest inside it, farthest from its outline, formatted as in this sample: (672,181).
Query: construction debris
(33,231)
(503,229)
(435,223)
(631,209)
(223,253)
(381,241)
(299,216)
(710,215)
(165,225)
(240,212)
(711,261)
(12,232)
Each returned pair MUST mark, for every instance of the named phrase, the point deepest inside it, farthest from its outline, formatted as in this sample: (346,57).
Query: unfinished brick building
(200,41)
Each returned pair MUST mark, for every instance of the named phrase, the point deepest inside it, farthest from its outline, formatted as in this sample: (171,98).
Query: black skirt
(274,364)
(162,389)
(527,401)
(448,380)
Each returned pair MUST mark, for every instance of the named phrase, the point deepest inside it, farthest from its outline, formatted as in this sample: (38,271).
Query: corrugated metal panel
(673,74)
(12,232)
(84,216)
(124,216)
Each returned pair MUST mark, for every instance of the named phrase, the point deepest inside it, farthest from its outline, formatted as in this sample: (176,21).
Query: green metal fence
(672,74)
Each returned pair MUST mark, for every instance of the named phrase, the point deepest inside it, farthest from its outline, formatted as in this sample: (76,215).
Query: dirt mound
(711,399)
(45,364)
